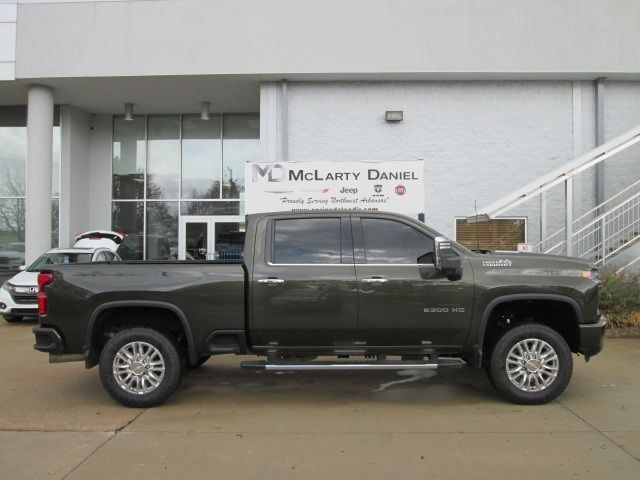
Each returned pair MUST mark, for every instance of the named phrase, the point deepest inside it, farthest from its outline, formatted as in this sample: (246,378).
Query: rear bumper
(592,337)
(48,340)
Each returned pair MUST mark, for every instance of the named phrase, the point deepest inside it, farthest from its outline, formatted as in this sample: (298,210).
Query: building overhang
(330,40)
(225,93)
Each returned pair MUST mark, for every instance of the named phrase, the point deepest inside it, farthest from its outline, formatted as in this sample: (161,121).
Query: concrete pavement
(57,422)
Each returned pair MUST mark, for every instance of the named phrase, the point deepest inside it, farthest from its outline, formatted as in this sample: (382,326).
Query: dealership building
(141,115)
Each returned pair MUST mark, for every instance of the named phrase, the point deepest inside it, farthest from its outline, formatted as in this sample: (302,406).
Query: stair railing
(563,240)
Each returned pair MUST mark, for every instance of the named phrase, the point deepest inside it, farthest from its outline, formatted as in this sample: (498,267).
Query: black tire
(496,369)
(172,363)
(13,318)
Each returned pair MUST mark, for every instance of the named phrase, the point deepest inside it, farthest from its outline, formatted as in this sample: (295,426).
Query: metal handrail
(557,245)
(562,174)
(598,233)
(603,215)
(610,232)
(548,238)
(602,206)
(599,208)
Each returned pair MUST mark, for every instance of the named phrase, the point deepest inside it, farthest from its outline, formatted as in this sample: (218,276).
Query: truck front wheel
(530,364)
(140,367)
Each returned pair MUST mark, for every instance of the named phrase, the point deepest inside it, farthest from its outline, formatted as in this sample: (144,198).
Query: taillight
(44,279)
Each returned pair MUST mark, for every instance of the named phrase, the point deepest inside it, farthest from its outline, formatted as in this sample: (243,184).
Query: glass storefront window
(201,157)
(11,234)
(128,158)
(128,217)
(55,222)
(210,208)
(163,163)
(162,231)
(190,166)
(13,164)
(13,161)
(241,144)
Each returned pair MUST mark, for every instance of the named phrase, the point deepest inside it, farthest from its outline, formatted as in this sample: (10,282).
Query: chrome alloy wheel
(532,365)
(138,368)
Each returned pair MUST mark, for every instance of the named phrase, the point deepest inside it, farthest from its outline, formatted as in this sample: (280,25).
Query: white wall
(479,140)
(622,112)
(8,17)
(406,39)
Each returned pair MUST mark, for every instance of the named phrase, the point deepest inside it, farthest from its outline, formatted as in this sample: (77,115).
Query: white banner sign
(395,186)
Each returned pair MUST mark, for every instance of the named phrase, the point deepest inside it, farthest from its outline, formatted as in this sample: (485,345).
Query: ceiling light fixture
(204,110)
(128,111)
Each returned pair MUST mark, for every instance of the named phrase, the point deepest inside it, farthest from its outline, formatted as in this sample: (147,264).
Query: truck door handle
(374,280)
(271,281)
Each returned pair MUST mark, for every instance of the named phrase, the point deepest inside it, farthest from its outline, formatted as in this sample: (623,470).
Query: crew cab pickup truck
(370,291)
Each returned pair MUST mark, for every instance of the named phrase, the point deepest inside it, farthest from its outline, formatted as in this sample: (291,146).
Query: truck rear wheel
(530,364)
(140,367)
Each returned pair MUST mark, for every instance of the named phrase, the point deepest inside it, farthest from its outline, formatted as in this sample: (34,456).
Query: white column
(39,156)
(75,196)
(269,122)
(100,173)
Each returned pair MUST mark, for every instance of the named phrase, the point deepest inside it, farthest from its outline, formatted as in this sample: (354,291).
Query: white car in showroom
(18,295)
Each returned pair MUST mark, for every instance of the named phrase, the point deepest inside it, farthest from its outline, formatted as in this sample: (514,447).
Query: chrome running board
(386,365)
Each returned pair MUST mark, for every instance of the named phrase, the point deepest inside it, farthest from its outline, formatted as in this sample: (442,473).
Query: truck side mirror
(22,268)
(447,261)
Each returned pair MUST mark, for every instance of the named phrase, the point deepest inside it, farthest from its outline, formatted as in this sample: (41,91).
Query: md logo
(273,172)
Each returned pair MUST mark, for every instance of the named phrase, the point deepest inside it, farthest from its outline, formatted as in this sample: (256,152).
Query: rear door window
(392,242)
(307,240)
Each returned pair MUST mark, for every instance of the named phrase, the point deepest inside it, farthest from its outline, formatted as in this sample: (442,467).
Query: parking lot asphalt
(57,422)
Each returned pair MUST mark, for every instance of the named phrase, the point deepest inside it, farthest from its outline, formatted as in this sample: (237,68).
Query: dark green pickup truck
(373,290)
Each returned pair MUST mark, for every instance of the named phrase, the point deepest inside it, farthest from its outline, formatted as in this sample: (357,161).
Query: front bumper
(9,307)
(592,337)
(48,340)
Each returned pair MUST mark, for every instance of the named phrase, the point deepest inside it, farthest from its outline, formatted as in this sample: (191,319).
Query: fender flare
(477,348)
(193,355)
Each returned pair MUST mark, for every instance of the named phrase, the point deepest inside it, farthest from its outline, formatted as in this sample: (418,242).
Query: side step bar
(283,366)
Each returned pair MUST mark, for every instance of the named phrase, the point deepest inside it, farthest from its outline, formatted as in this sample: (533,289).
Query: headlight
(592,274)
(7,286)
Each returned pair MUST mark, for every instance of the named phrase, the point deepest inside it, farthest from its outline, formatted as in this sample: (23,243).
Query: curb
(623,333)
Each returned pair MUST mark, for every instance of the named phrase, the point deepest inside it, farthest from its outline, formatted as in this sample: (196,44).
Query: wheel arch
(477,357)
(93,355)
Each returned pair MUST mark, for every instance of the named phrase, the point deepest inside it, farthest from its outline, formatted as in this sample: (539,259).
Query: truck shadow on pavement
(227,380)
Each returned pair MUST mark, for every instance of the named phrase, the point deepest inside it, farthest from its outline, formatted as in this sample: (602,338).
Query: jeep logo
(274,172)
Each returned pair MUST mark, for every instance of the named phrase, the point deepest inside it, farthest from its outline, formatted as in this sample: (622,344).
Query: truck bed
(209,293)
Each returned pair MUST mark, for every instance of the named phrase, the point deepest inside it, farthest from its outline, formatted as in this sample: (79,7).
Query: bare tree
(12,209)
